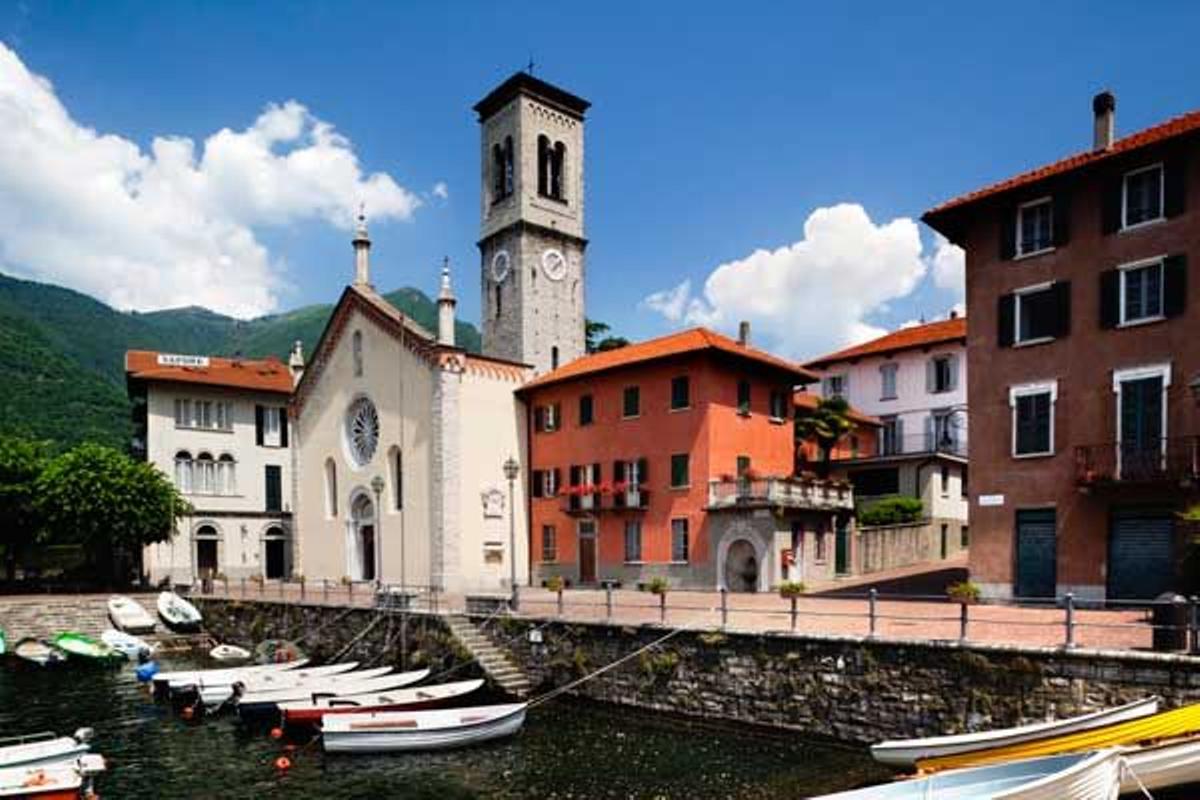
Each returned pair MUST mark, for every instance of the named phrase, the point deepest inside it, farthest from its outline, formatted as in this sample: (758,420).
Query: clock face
(500,266)
(554,265)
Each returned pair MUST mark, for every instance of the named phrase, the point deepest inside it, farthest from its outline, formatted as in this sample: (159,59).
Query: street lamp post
(377,485)
(511,470)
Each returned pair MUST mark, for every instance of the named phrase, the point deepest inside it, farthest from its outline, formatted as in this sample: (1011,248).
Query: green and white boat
(80,647)
(3,643)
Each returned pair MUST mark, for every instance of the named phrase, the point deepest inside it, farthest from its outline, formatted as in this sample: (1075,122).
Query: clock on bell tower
(532,242)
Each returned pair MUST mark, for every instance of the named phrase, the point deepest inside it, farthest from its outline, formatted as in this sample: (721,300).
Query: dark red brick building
(1083,364)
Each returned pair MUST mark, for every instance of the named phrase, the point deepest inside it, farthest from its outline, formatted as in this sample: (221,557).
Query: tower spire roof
(447,291)
(362,249)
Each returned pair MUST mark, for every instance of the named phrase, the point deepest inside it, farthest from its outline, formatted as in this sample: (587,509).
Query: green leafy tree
(108,503)
(596,339)
(21,462)
(826,425)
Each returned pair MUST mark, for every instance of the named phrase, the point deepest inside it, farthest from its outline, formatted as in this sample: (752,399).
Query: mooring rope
(1125,768)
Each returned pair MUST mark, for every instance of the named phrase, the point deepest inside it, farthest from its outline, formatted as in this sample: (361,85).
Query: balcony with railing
(1171,461)
(779,493)
(598,499)
(888,446)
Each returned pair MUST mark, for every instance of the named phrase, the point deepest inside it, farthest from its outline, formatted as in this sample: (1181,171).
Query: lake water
(566,750)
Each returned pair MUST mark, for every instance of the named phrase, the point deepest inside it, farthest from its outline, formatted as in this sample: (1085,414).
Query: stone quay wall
(847,688)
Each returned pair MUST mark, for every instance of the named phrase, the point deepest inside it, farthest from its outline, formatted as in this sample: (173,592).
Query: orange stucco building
(666,458)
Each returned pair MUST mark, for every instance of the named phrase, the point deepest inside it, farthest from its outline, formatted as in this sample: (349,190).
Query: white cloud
(948,265)
(811,296)
(441,190)
(173,225)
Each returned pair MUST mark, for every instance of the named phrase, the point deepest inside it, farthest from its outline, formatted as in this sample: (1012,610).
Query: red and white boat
(309,712)
(68,780)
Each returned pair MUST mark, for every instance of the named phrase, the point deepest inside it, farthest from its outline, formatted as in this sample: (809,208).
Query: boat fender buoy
(146,671)
(276,733)
(283,763)
(187,712)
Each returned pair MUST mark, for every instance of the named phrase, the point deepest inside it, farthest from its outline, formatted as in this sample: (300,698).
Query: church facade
(400,436)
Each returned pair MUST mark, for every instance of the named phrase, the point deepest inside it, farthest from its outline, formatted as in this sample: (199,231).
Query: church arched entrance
(362,513)
(741,567)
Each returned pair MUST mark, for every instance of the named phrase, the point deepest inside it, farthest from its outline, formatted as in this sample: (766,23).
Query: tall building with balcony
(913,383)
(218,428)
(1083,363)
(674,457)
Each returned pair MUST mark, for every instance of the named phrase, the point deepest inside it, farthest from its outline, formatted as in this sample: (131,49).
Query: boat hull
(259,705)
(128,615)
(310,714)
(39,653)
(1162,766)
(178,614)
(400,740)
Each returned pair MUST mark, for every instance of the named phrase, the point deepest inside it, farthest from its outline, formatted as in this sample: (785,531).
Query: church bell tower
(532,236)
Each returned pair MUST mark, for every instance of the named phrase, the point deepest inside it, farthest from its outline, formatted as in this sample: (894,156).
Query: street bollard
(1069,597)
(608,602)
(662,607)
(325,590)
(724,607)
(560,602)
(1194,618)
(243,587)
(962,623)
(793,599)
(872,598)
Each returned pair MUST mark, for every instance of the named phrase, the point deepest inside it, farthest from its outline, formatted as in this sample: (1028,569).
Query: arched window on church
(356,346)
(508,166)
(497,172)
(544,155)
(183,471)
(558,163)
(554,357)
(331,495)
(498,301)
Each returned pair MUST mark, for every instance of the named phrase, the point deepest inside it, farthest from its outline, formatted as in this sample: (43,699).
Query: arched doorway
(206,551)
(362,513)
(274,563)
(741,567)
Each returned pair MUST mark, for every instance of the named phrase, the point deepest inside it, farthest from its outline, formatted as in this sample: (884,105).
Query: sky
(766,162)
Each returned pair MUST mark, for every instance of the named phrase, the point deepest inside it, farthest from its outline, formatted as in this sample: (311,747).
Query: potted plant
(658,585)
(790,589)
(555,583)
(964,592)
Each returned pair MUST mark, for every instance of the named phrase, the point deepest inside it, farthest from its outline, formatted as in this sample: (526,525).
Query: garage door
(1037,565)
(1140,555)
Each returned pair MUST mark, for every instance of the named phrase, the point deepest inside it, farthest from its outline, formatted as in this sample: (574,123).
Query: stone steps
(495,662)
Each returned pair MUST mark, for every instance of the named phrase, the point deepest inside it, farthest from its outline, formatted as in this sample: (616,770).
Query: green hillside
(62,352)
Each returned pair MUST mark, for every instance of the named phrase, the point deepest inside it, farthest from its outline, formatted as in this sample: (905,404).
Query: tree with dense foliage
(21,462)
(108,503)
(596,339)
(826,425)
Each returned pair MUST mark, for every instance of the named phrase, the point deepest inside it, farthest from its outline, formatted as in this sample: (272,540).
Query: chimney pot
(743,333)
(1104,111)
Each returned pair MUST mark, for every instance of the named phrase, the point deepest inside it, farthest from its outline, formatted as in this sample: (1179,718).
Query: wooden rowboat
(39,749)
(222,689)
(163,681)
(258,703)
(229,652)
(79,647)
(128,615)
(419,730)
(41,653)
(1082,776)
(64,781)
(1162,765)
(178,614)
(132,646)
(309,712)
(906,752)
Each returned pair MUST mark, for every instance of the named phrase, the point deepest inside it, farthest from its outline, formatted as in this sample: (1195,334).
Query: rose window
(362,430)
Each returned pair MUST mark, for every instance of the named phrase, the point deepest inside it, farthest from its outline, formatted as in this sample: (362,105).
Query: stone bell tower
(532,236)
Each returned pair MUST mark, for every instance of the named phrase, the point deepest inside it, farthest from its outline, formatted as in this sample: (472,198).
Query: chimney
(296,361)
(954,313)
(1104,107)
(446,302)
(744,333)
(362,252)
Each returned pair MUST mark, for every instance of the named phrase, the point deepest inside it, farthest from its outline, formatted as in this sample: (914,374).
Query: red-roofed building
(219,428)
(1081,349)
(666,458)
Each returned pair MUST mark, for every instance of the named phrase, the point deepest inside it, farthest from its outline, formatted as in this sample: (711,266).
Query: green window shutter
(1174,285)
(1110,298)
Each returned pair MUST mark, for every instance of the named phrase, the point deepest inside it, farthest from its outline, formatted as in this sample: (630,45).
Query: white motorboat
(906,752)
(178,614)
(215,694)
(164,680)
(1078,776)
(309,712)
(419,730)
(267,701)
(132,646)
(59,781)
(128,615)
(43,748)
(229,652)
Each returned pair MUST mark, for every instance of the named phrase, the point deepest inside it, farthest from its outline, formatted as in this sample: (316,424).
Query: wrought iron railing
(1170,460)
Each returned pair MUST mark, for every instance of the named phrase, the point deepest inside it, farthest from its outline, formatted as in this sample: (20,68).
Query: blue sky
(717,130)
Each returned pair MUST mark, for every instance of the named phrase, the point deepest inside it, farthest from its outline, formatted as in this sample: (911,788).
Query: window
(942,374)
(836,385)
(557,172)
(1036,314)
(549,543)
(942,431)
(204,474)
(631,475)
(822,545)
(680,468)
(680,393)
(203,414)
(743,476)
(887,380)
(331,493)
(545,483)
(964,538)
(397,460)
(1033,418)
(502,169)
(779,404)
(1142,198)
(585,410)
(876,482)
(226,475)
(1035,227)
(183,471)
(356,347)
(945,480)
(546,418)
(633,540)
(271,426)
(743,397)
(631,404)
(891,440)
(499,301)
(1141,293)
(1141,420)
(274,487)
(551,162)
(679,540)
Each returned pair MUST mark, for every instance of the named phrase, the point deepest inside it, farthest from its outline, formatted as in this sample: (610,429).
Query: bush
(792,589)
(964,592)
(891,511)
(657,585)
(555,583)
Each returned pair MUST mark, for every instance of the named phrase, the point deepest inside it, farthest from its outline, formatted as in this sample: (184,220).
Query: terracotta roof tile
(263,375)
(1177,126)
(946,330)
(808,400)
(693,340)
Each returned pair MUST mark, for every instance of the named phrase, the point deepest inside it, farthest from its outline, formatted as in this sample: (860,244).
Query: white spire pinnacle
(446,302)
(362,250)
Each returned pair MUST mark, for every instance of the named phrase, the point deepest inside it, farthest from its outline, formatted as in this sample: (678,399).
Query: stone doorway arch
(742,567)
(362,517)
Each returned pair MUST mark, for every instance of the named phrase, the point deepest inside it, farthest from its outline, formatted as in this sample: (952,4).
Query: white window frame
(633,494)
(272,422)
(1020,212)
(827,386)
(1162,198)
(549,486)
(952,364)
(1026,390)
(1123,271)
(1138,373)
(1017,295)
(892,368)
(587,477)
